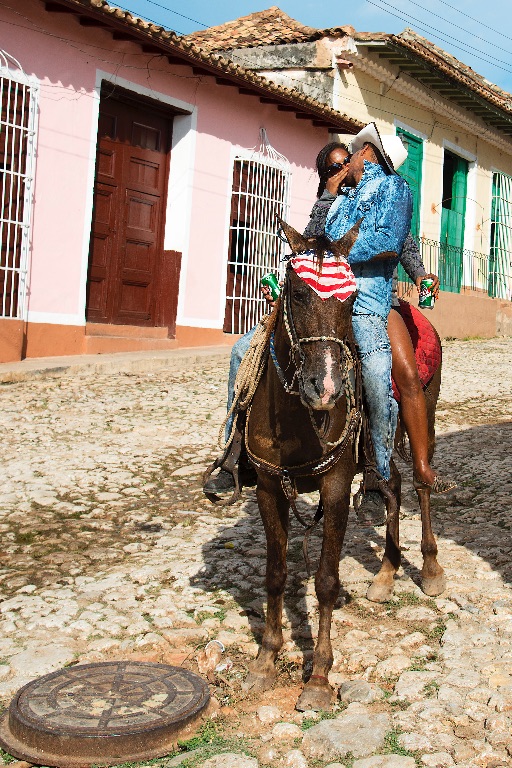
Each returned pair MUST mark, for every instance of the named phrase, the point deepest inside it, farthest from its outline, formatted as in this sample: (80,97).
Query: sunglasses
(336,167)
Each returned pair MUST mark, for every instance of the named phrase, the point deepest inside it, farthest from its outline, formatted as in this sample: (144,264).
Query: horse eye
(300,296)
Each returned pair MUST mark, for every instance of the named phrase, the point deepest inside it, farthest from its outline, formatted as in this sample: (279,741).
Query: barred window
(500,262)
(17,155)
(261,185)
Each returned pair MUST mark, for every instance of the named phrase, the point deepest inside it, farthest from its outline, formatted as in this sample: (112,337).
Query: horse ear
(343,246)
(296,241)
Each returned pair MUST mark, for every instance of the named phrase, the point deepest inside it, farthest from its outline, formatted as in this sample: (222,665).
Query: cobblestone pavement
(108,550)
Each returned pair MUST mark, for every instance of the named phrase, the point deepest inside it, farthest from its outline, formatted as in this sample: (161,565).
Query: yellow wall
(366,97)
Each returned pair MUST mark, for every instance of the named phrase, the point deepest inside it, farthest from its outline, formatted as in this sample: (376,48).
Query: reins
(351,429)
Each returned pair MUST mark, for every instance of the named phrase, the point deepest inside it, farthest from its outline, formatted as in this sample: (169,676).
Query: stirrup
(439,485)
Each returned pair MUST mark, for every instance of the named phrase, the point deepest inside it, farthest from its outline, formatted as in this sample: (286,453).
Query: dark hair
(321,163)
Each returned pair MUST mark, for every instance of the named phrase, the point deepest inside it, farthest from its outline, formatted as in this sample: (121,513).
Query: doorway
(455,183)
(127,263)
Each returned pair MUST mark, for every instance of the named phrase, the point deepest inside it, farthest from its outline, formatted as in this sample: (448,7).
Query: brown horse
(301,434)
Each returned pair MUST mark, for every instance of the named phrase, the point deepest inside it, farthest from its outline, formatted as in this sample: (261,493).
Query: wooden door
(126,259)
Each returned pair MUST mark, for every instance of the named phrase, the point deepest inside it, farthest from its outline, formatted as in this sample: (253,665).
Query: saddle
(427,347)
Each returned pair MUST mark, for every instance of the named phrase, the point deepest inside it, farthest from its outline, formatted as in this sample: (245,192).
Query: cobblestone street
(110,551)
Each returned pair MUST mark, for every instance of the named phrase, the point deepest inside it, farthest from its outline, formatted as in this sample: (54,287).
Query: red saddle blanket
(425,341)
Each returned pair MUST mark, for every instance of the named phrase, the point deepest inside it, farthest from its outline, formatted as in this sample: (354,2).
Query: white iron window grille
(500,261)
(261,188)
(19,97)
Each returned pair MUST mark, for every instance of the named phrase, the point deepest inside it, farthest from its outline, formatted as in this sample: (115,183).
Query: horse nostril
(317,386)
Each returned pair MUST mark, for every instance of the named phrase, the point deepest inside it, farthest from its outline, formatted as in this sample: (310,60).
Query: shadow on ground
(476,516)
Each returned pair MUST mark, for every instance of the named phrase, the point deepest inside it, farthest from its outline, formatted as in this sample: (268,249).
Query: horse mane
(321,245)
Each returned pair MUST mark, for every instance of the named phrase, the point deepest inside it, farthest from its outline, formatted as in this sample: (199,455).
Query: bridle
(352,427)
(348,356)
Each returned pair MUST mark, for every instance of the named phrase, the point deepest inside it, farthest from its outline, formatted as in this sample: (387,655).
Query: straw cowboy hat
(391,147)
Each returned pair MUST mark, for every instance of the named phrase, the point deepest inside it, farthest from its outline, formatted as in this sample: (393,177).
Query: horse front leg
(274,509)
(381,588)
(317,693)
(433,580)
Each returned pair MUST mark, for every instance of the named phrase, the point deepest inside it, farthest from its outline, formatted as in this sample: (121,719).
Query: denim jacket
(385,205)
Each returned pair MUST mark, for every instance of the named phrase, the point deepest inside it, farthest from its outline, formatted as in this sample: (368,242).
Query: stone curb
(136,362)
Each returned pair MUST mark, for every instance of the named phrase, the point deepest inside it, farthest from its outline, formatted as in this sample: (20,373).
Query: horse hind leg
(381,588)
(274,508)
(433,580)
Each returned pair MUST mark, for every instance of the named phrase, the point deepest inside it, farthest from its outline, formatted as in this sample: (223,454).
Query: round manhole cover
(102,714)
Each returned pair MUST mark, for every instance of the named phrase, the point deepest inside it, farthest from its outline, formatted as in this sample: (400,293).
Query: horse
(301,434)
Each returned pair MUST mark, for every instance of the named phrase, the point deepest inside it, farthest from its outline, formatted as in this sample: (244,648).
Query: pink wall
(67,70)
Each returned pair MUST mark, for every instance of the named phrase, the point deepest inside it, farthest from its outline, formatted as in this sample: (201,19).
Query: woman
(331,164)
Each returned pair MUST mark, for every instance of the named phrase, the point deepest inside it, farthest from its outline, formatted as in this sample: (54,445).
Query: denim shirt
(385,204)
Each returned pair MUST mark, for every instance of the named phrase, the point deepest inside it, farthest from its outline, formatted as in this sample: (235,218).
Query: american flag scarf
(336,278)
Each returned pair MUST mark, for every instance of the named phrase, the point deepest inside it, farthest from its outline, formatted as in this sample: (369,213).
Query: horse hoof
(434,586)
(257,682)
(317,698)
(380,592)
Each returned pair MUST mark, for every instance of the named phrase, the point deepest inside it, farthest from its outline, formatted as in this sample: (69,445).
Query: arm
(316,224)
(411,261)
(384,239)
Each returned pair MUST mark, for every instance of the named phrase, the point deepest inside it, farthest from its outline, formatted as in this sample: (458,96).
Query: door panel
(102,251)
(411,172)
(126,254)
(455,173)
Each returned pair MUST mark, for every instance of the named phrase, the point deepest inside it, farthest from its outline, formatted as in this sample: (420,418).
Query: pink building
(140,177)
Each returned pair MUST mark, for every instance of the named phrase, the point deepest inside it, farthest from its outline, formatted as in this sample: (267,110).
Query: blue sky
(476,32)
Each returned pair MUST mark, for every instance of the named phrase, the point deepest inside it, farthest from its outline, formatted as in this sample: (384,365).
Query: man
(381,198)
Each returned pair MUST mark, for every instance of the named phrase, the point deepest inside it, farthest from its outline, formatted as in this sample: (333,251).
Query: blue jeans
(239,349)
(370,332)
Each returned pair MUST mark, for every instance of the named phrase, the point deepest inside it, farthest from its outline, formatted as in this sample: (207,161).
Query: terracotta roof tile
(274,27)
(444,62)
(186,48)
(270,27)
(449,65)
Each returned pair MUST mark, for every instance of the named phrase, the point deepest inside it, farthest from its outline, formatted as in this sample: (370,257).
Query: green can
(270,280)
(427,299)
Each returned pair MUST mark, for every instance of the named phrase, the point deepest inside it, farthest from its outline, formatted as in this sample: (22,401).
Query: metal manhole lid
(102,713)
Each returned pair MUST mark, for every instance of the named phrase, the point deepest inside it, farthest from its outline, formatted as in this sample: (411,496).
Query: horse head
(318,327)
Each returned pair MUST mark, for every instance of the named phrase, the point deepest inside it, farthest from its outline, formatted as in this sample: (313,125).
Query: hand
(333,182)
(435,285)
(268,296)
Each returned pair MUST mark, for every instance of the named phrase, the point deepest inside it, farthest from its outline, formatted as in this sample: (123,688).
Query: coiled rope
(249,373)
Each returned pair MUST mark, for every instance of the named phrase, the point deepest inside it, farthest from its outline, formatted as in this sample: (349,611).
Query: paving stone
(295,759)
(268,714)
(359,690)
(360,734)
(230,760)
(126,559)
(392,667)
(438,760)
(286,731)
(385,761)
(40,660)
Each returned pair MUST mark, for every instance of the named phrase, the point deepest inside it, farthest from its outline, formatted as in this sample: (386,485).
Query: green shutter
(501,236)
(452,222)
(411,172)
